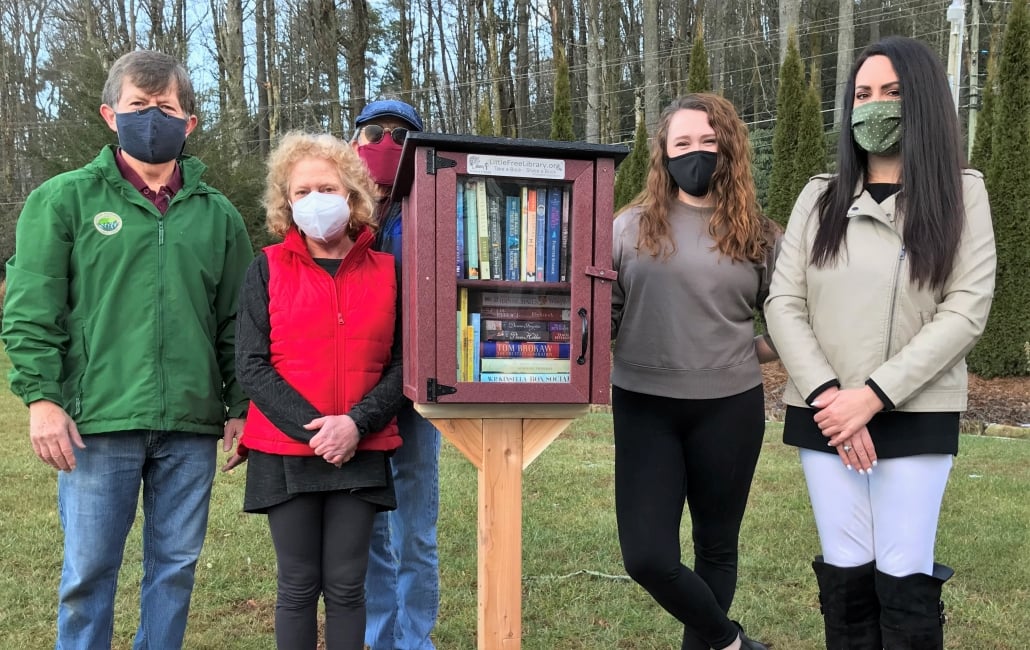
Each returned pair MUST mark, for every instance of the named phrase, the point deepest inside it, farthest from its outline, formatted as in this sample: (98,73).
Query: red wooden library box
(507,269)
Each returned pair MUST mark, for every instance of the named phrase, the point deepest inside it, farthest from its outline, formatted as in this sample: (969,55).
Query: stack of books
(513,337)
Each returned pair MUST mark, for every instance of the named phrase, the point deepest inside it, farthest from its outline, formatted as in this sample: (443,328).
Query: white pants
(889,516)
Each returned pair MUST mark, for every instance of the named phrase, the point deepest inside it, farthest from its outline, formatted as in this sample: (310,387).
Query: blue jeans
(403,582)
(97,505)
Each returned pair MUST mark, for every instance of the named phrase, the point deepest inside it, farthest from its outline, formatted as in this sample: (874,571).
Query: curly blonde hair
(296,146)
(738,227)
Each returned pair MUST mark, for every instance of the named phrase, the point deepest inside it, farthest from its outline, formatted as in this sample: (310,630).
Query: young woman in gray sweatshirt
(694,256)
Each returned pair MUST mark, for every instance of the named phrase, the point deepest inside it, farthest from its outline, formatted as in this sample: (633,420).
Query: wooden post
(501,448)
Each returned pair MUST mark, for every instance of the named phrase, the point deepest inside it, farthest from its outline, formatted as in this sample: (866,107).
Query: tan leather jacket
(862,318)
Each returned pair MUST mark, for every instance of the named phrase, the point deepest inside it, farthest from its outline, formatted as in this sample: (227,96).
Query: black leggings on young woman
(704,452)
(321,546)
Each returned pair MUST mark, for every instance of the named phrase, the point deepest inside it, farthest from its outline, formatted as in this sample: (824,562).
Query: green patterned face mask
(876,126)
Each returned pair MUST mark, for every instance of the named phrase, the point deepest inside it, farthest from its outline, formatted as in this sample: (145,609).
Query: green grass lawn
(574,593)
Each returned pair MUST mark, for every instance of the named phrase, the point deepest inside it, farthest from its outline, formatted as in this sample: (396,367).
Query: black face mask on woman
(693,171)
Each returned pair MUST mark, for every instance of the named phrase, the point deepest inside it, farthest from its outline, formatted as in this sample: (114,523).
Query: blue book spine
(476,337)
(541,232)
(513,232)
(460,233)
(553,234)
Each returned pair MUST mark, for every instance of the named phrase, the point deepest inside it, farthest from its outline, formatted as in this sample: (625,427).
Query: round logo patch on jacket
(107,223)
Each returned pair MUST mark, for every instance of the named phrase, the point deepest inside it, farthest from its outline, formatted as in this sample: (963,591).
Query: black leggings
(704,452)
(321,546)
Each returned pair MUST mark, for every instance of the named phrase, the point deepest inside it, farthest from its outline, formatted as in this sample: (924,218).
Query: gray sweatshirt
(683,326)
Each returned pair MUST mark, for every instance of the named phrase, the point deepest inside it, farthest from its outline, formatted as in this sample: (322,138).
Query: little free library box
(507,318)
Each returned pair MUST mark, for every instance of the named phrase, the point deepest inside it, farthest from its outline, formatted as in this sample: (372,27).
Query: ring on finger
(847,448)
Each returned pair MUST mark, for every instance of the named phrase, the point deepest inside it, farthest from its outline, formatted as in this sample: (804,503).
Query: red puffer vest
(330,336)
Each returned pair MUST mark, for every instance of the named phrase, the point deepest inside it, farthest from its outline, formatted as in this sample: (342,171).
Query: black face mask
(692,171)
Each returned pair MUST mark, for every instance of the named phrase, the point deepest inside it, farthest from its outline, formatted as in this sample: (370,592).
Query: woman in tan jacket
(883,285)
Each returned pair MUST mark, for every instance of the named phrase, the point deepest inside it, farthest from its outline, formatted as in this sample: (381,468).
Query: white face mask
(321,216)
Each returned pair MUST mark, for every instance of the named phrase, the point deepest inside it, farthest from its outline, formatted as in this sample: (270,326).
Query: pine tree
(561,118)
(789,100)
(1001,350)
(633,171)
(980,158)
(699,80)
(484,119)
(810,151)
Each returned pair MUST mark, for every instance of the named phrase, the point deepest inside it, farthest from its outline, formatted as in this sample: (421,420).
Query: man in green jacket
(119,320)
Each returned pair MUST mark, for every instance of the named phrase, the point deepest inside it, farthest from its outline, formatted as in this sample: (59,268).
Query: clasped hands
(336,440)
(842,417)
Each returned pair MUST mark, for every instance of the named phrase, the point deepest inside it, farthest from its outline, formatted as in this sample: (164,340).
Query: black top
(895,434)
(273,479)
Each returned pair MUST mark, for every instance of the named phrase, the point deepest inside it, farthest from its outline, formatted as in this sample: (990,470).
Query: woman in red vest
(318,352)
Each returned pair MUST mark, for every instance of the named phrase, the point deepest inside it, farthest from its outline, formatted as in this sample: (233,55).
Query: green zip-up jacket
(124,316)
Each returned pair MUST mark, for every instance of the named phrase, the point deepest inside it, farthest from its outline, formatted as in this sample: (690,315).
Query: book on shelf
(514,299)
(524,349)
(523,230)
(462,321)
(530,241)
(483,227)
(525,313)
(513,237)
(524,378)
(554,201)
(524,330)
(541,233)
(474,323)
(495,230)
(471,232)
(523,365)
(461,264)
(566,258)
(469,355)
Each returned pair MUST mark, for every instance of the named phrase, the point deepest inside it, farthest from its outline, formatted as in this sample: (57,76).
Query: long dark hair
(931,165)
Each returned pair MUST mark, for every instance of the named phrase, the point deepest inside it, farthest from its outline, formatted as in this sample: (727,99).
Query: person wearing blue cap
(402,584)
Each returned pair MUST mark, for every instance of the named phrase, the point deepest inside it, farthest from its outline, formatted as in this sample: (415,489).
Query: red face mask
(382,159)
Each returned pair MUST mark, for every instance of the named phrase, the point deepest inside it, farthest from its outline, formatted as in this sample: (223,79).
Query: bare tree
(845,53)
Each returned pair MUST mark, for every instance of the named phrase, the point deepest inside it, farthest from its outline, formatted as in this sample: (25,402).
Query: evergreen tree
(810,151)
(484,119)
(980,157)
(561,118)
(633,171)
(699,80)
(1001,350)
(789,99)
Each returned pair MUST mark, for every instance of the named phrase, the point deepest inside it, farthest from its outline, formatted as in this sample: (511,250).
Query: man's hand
(53,433)
(232,431)
(336,440)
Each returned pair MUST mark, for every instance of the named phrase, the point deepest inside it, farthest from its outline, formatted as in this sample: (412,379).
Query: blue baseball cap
(391,108)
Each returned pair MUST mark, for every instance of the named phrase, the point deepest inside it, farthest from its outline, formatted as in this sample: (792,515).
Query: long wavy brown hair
(738,227)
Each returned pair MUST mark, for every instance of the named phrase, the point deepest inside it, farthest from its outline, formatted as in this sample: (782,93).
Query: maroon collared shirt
(163,196)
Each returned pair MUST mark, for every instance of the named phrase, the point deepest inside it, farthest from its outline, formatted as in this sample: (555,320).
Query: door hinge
(435,162)
(435,389)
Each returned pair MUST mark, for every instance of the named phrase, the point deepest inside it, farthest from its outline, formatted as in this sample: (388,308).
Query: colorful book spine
(541,233)
(530,241)
(525,378)
(471,231)
(495,230)
(566,252)
(460,264)
(523,349)
(469,354)
(476,353)
(512,231)
(517,330)
(553,234)
(483,227)
(523,230)
(462,321)
(524,365)
(526,313)
(512,299)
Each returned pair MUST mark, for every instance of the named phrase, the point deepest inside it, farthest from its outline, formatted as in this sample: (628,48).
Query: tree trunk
(790,11)
(651,64)
(593,43)
(845,55)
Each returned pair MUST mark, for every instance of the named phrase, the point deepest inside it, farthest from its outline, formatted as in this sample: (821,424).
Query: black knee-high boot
(911,610)
(851,610)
